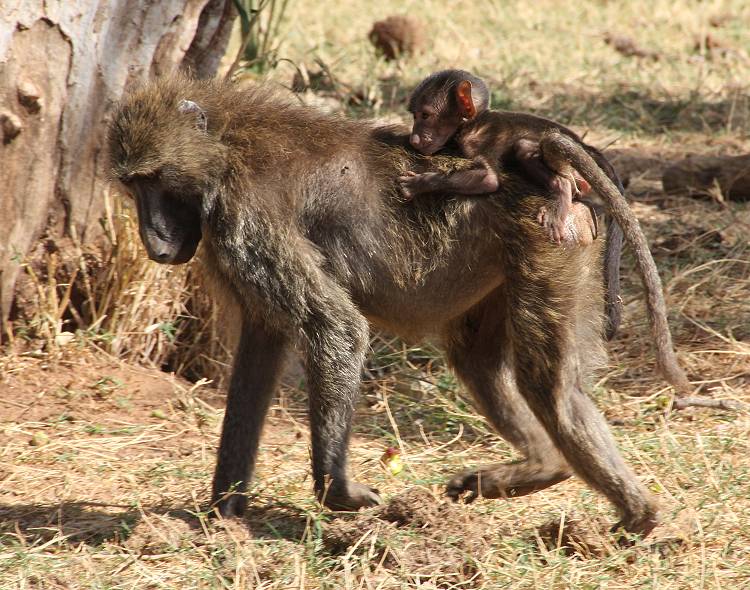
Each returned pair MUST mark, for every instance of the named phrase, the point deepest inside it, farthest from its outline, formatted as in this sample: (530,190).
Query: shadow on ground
(94,523)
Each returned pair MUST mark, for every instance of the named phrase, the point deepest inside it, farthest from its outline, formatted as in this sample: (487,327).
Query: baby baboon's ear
(188,106)
(465,99)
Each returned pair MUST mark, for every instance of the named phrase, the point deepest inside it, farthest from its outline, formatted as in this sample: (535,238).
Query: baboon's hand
(352,498)
(413,184)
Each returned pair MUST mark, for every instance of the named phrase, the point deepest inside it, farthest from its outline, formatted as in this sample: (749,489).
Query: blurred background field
(112,405)
(578,62)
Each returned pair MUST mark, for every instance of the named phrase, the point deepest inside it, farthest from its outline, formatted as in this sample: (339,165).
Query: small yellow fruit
(391,461)
(39,440)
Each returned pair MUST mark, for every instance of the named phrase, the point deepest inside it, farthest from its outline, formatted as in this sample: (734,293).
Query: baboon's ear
(188,106)
(465,101)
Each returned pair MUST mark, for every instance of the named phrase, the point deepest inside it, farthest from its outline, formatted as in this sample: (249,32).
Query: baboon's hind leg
(550,371)
(479,354)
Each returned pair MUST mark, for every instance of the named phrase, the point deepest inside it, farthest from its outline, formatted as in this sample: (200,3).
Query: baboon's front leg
(258,364)
(337,338)
(287,273)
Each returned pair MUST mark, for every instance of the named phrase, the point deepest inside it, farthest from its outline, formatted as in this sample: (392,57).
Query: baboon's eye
(425,115)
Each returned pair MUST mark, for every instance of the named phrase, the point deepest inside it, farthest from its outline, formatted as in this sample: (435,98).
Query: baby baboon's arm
(481,179)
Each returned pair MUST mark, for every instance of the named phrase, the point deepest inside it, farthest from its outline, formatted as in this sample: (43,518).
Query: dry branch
(703,175)
(707,402)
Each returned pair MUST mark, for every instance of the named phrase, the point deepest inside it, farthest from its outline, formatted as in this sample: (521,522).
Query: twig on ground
(706,402)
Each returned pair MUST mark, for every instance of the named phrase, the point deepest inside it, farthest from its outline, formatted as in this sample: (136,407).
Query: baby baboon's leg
(478,351)
(258,364)
(551,217)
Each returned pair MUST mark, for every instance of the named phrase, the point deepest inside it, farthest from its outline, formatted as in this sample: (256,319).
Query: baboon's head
(165,149)
(441,103)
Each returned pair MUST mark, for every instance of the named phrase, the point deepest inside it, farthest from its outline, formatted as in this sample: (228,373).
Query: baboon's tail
(559,152)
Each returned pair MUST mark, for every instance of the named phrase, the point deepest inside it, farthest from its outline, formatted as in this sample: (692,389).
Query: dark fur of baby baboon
(299,218)
(397,36)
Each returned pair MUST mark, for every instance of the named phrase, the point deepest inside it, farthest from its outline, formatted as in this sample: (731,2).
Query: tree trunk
(63,64)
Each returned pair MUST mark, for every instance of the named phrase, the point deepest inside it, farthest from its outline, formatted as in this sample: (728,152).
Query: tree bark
(63,65)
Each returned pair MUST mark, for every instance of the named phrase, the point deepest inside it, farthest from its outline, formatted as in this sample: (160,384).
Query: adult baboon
(301,220)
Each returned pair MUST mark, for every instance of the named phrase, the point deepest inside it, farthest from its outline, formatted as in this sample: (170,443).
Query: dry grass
(105,467)
(550,57)
(109,295)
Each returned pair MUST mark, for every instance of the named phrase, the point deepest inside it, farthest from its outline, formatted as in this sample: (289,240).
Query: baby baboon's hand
(413,184)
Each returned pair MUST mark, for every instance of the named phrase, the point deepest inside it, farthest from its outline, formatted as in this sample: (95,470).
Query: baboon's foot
(638,524)
(350,497)
(505,480)
(230,505)
(582,225)
(551,220)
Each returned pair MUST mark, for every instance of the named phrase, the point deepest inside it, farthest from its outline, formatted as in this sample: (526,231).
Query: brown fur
(301,221)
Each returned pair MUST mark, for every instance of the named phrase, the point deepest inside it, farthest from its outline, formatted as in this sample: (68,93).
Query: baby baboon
(299,217)
(453,105)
